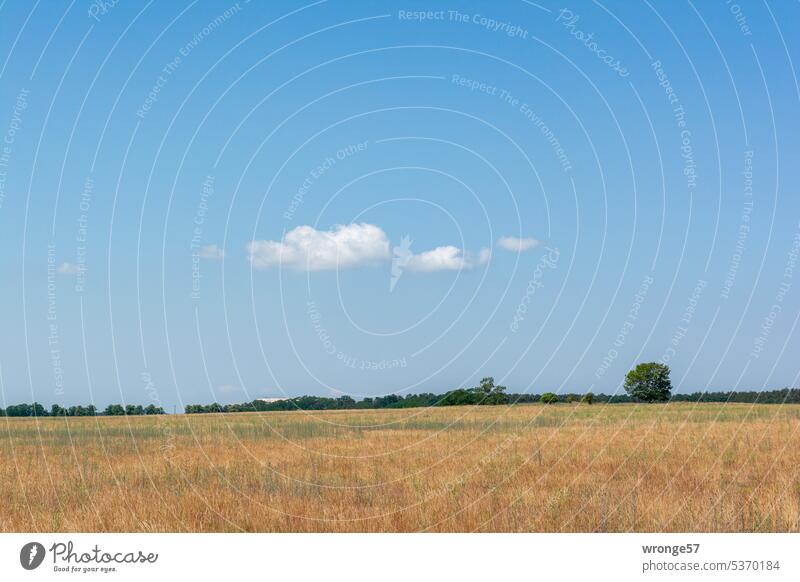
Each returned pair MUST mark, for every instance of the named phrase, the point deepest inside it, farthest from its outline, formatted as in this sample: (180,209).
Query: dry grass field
(530,468)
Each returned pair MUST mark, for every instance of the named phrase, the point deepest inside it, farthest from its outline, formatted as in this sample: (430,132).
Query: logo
(402,255)
(31,555)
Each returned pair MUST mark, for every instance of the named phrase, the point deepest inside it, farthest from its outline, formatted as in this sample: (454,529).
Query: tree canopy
(649,382)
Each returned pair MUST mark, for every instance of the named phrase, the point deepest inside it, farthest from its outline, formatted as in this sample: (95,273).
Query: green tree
(459,397)
(345,402)
(490,393)
(498,396)
(548,398)
(114,410)
(588,398)
(649,382)
(486,385)
(19,410)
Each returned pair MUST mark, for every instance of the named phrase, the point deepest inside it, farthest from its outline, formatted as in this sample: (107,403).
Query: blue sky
(224,201)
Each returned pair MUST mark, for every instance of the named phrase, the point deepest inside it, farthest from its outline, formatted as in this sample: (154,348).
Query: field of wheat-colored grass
(528,468)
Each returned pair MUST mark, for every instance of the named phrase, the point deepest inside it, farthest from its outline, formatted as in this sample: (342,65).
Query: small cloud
(227,388)
(484,255)
(69,269)
(211,253)
(516,244)
(447,258)
(307,249)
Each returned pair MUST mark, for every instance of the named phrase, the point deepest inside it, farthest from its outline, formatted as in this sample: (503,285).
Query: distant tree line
(783,396)
(647,382)
(487,393)
(37,409)
(131,410)
(459,397)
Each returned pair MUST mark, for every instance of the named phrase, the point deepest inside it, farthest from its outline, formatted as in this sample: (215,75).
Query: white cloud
(308,249)
(211,253)
(447,258)
(69,269)
(513,243)
(353,245)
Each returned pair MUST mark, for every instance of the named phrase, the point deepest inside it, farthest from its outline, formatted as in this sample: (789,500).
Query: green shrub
(548,398)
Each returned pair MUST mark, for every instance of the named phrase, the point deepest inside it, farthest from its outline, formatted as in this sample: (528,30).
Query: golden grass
(674,467)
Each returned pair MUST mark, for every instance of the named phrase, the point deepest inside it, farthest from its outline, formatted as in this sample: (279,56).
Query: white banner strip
(370,557)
